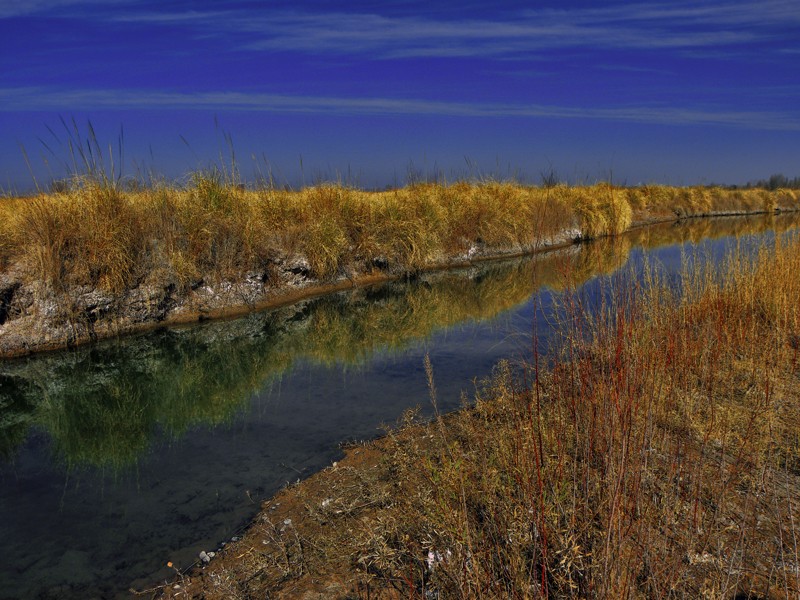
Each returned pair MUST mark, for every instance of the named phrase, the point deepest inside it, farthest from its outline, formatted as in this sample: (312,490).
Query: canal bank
(100,263)
(121,456)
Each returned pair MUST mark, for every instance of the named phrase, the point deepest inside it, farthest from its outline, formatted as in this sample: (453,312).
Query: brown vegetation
(94,234)
(655,455)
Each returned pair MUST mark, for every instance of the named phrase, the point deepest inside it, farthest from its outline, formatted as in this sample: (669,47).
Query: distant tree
(775,182)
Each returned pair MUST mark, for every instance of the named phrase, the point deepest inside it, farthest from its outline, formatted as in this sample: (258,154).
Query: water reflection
(102,405)
(118,457)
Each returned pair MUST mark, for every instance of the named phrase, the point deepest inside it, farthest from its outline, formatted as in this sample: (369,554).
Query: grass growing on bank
(102,406)
(656,455)
(93,233)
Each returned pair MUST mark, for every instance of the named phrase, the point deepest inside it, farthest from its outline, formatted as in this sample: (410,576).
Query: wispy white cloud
(715,27)
(630,69)
(185,17)
(652,25)
(747,13)
(17,8)
(476,39)
(20,8)
(33,98)
(656,25)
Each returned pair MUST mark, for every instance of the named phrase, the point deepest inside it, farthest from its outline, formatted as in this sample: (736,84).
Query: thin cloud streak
(651,26)
(746,13)
(165,18)
(647,26)
(26,99)
(22,8)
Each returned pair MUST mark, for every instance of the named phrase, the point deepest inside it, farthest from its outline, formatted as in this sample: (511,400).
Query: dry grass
(699,201)
(603,210)
(95,234)
(655,455)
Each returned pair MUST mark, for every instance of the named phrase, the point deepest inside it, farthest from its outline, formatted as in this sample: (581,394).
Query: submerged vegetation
(653,453)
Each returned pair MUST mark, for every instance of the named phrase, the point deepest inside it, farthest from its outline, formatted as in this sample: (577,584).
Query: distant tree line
(775,182)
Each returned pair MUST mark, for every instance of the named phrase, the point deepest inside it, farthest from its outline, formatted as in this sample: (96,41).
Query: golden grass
(602,209)
(98,235)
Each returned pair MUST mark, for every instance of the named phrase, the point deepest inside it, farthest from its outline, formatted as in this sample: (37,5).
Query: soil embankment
(97,262)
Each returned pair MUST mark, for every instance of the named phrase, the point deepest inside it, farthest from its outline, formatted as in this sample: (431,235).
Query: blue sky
(663,91)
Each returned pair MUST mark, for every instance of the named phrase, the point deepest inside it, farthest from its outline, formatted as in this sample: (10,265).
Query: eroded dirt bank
(34,317)
(37,317)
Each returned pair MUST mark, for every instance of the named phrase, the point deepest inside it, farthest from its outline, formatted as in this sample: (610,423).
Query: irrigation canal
(119,457)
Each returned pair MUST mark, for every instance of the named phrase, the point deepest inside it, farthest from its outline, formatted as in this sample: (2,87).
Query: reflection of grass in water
(207,384)
(353,331)
(108,425)
(601,257)
(699,229)
(103,405)
(15,416)
(104,409)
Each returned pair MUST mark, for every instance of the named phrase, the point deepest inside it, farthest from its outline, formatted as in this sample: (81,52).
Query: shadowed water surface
(119,457)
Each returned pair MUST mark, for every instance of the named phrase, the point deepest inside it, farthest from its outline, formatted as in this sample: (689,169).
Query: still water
(119,457)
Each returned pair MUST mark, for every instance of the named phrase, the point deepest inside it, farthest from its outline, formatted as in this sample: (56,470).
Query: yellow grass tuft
(96,234)
(602,209)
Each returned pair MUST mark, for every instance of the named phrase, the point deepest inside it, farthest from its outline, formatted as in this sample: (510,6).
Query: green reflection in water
(103,405)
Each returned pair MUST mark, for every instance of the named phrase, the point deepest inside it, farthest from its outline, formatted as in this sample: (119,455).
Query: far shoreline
(43,316)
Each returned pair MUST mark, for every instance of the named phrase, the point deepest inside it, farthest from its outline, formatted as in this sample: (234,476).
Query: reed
(648,459)
(95,233)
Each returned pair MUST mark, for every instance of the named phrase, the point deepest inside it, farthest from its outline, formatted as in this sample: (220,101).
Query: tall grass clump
(601,209)
(331,215)
(505,216)
(6,230)
(411,226)
(89,236)
(217,229)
